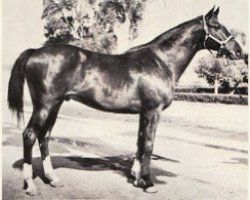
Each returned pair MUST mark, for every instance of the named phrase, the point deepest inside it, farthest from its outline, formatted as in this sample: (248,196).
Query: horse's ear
(216,12)
(209,14)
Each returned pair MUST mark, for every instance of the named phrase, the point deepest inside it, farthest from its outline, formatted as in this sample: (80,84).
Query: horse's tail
(16,83)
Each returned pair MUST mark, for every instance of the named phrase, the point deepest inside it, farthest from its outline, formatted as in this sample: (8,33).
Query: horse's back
(117,83)
(54,56)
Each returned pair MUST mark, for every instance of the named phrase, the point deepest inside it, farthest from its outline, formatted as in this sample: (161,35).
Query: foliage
(242,90)
(240,36)
(90,23)
(234,74)
(211,98)
(208,71)
(228,73)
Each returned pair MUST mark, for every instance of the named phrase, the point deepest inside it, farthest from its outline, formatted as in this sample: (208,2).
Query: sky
(22,27)
(162,15)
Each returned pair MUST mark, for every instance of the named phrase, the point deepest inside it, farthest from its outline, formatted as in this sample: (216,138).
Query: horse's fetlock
(135,170)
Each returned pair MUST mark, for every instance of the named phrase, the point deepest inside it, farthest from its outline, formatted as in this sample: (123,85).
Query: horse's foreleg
(148,123)
(43,140)
(136,167)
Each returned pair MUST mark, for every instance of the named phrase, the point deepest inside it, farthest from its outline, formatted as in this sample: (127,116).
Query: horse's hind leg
(43,139)
(30,134)
(41,121)
(29,138)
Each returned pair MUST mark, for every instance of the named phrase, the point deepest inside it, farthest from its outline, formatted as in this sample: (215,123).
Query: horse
(139,81)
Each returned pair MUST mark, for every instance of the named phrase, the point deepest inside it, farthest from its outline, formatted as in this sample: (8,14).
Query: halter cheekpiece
(222,43)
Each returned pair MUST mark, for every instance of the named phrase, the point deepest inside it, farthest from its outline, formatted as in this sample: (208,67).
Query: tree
(223,72)
(211,72)
(240,35)
(234,74)
(90,23)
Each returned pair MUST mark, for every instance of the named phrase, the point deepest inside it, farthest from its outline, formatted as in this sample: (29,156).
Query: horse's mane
(165,36)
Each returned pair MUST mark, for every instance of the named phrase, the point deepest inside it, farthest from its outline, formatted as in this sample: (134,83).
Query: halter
(221,43)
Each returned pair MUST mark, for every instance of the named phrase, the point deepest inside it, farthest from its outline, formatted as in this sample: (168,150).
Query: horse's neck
(177,47)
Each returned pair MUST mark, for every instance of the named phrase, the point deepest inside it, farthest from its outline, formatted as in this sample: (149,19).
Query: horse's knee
(149,145)
(29,137)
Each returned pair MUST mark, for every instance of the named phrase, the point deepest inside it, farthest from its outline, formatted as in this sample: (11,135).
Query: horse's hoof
(133,174)
(56,184)
(33,192)
(139,183)
(135,183)
(151,189)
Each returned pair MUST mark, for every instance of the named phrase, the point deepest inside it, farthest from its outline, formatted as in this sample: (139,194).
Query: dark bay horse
(141,81)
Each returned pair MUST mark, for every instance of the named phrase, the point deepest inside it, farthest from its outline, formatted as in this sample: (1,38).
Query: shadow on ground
(119,164)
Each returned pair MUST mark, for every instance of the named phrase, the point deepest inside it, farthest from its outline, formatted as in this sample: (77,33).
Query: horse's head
(219,39)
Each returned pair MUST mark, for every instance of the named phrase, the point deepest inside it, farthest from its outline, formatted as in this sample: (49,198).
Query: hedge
(211,98)
(243,90)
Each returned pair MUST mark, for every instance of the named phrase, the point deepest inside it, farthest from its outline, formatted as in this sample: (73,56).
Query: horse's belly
(108,99)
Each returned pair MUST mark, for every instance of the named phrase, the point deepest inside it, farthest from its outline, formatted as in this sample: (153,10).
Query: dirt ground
(197,156)
(200,153)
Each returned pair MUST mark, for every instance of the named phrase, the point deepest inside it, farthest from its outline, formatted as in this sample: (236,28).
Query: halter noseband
(222,43)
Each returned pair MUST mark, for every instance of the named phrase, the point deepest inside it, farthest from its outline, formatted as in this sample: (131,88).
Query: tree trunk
(235,89)
(216,86)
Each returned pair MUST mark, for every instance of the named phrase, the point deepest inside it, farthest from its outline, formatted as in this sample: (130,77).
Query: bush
(243,90)
(211,98)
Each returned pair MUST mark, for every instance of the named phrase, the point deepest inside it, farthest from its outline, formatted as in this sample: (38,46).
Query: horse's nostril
(238,53)
(246,58)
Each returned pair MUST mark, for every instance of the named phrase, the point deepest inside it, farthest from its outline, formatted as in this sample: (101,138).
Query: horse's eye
(216,25)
